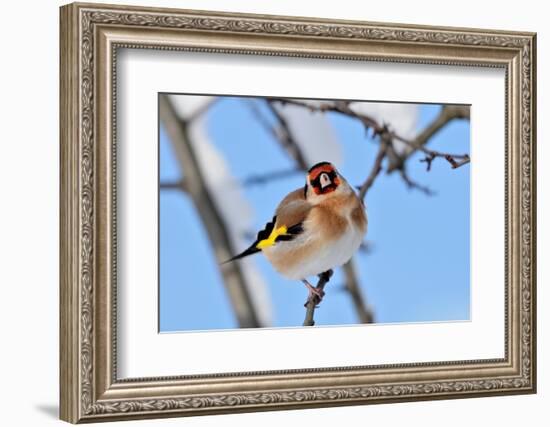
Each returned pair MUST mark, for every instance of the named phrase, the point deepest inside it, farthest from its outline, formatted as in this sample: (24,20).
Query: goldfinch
(315,228)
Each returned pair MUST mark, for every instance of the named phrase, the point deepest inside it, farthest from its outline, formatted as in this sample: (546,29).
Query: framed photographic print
(266,212)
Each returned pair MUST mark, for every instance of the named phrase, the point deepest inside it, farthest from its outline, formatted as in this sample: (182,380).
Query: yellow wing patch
(270,241)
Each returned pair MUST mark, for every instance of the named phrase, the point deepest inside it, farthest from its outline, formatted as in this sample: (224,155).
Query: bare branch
(257,113)
(447,114)
(455,160)
(311,305)
(173,185)
(352,286)
(203,109)
(282,134)
(341,107)
(375,171)
(287,139)
(234,278)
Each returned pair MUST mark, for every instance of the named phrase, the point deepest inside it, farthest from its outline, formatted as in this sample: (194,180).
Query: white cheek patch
(325,180)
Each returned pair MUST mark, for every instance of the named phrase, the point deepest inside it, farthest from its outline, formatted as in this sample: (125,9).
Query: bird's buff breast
(316,250)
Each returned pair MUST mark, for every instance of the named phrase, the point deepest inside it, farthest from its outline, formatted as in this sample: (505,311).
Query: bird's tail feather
(250,251)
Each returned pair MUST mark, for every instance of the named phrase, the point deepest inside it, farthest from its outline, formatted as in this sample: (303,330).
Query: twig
(311,305)
(365,247)
(415,185)
(456,164)
(446,115)
(270,176)
(455,160)
(428,160)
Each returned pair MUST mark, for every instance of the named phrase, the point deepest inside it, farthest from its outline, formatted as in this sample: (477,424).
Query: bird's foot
(314,294)
(326,275)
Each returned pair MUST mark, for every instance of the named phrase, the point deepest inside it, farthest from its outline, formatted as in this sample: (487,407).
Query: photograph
(286,212)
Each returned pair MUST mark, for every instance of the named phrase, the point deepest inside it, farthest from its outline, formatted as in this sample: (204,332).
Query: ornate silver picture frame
(91,37)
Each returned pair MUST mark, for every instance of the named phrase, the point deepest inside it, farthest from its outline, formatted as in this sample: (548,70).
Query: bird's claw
(314,294)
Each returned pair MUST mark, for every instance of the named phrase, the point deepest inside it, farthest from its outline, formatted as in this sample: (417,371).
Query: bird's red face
(323,178)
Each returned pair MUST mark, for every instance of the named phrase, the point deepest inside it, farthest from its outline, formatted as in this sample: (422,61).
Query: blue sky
(418,269)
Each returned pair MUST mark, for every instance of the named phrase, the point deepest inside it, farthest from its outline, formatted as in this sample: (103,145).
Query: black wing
(290,234)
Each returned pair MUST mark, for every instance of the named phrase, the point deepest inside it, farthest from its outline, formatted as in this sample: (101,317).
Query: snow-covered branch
(209,184)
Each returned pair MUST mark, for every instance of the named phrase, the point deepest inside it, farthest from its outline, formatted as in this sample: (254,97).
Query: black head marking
(317,165)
